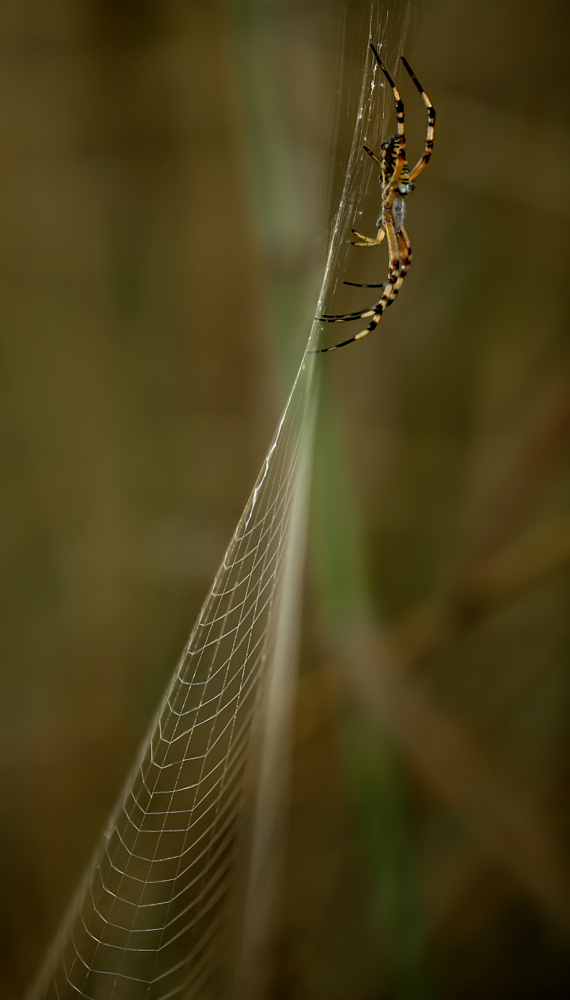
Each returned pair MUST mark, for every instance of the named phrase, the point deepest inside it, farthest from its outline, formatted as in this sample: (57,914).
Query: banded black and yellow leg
(401,161)
(394,251)
(405,252)
(374,157)
(339,317)
(394,246)
(398,100)
(344,317)
(395,265)
(363,313)
(424,160)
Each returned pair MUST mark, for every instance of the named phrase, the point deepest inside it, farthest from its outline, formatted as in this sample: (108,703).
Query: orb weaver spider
(397,182)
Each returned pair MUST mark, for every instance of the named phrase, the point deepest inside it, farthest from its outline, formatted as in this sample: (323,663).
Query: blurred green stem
(338,558)
(373,763)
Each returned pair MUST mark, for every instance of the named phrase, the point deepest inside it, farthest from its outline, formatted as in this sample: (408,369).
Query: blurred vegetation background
(160,249)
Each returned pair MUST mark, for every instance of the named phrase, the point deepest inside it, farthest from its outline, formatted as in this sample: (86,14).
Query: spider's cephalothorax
(397,181)
(390,153)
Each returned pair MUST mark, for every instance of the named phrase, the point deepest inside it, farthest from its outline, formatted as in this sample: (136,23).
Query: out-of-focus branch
(491,569)
(494,582)
(502,820)
(456,769)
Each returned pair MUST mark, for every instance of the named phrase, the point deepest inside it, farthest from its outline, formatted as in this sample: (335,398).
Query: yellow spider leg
(361,314)
(369,241)
(405,251)
(424,160)
(344,317)
(394,267)
(374,157)
(395,246)
(397,98)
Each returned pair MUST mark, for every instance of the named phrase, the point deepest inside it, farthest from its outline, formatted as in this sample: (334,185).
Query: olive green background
(160,249)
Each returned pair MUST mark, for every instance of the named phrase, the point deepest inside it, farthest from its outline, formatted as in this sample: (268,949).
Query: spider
(397,182)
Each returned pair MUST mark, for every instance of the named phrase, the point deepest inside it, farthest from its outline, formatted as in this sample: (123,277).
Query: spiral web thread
(152,918)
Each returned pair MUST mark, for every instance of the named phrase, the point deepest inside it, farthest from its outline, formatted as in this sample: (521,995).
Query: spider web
(147,921)
(186,855)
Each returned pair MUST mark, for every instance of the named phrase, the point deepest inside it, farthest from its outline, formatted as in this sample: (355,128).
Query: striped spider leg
(397,182)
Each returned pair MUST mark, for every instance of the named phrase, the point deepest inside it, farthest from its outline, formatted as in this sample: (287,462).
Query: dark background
(149,327)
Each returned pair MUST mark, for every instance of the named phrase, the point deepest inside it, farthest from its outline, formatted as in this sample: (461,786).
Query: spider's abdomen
(398,212)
